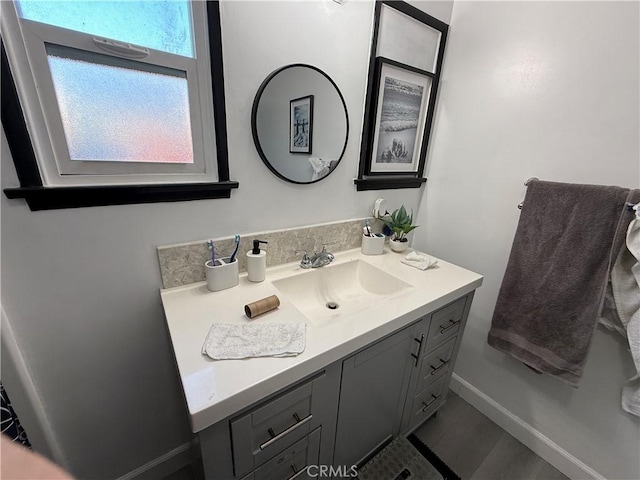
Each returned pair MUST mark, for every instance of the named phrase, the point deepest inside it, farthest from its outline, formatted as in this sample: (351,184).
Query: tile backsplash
(183,264)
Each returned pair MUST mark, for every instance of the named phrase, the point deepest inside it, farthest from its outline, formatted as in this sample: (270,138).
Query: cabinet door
(374,386)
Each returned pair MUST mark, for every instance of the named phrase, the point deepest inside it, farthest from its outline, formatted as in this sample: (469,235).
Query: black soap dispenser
(256,262)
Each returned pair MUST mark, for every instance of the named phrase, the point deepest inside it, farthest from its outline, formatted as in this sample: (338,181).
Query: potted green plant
(400,223)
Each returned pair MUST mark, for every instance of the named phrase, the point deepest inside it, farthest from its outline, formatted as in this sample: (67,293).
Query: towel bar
(526,184)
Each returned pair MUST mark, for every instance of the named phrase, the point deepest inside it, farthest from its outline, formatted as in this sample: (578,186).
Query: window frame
(41,39)
(40,195)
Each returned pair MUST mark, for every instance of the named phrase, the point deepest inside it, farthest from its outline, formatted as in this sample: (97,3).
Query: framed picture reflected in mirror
(301,124)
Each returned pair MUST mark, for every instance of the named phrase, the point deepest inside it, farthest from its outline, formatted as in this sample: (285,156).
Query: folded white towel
(419,261)
(231,341)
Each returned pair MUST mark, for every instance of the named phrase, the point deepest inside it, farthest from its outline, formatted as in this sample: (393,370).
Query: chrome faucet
(318,259)
(306,260)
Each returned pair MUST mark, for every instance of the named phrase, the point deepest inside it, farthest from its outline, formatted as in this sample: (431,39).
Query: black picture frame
(372,180)
(41,197)
(301,125)
(400,113)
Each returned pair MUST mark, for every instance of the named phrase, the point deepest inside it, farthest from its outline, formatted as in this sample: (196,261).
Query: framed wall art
(407,52)
(400,113)
(301,124)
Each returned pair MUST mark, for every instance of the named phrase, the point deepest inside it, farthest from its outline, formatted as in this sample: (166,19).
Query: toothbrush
(213,252)
(233,256)
(366,224)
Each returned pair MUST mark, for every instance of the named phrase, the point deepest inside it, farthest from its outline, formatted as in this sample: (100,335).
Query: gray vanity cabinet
(438,339)
(344,413)
(394,385)
(372,394)
(278,437)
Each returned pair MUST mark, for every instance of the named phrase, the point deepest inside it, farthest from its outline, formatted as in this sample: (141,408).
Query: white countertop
(215,389)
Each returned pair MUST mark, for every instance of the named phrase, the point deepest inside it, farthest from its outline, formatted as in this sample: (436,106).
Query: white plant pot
(398,246)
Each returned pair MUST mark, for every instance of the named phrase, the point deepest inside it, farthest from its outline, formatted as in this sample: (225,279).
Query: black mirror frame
(254,121)
(40,197)
(377,181)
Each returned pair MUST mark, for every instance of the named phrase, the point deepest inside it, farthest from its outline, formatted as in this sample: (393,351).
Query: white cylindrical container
(224,274)
(373,245)
(256,263)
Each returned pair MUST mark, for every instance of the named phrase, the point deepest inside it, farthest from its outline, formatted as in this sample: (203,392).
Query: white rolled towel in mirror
(320,167)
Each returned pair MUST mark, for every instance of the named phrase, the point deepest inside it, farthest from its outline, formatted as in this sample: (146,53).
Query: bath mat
(401,460)
(427,453)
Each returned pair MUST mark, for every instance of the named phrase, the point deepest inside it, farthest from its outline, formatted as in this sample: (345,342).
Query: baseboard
(525,433)
(164,465)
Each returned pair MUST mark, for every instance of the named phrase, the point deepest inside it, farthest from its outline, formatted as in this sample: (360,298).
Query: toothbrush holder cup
(222,274)
(373,245)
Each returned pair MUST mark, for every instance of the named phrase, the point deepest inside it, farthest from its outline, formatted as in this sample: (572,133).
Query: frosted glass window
(159,24)
(113,113)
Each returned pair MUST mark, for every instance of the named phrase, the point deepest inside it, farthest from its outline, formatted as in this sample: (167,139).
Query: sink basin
(338,290)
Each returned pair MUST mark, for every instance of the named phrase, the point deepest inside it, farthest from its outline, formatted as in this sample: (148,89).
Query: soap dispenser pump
(256,262)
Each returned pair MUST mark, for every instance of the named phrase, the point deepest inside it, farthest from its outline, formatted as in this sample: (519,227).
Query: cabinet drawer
(445,323)
(436,364)
(268,429)
(427,401)
(291,463)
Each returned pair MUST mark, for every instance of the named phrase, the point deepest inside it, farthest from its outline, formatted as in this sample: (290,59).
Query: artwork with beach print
(401,111)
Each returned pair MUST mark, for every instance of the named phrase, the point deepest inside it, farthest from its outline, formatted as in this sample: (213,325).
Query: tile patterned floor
(478,449)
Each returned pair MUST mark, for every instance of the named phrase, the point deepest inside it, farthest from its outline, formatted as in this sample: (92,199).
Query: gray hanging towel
(553,288)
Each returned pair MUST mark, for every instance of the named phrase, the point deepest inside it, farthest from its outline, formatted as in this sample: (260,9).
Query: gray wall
(546,89)
(80,286)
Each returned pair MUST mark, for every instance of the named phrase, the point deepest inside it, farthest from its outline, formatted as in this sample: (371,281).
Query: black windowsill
(387,183)
(52,198)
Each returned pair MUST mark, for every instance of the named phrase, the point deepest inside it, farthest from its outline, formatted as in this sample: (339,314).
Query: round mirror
(299,123)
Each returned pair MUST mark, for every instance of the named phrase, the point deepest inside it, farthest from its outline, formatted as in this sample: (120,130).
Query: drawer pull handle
(442,364)
(427,405)
(452,323)
(296,472)
(417,355)
(275,438)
